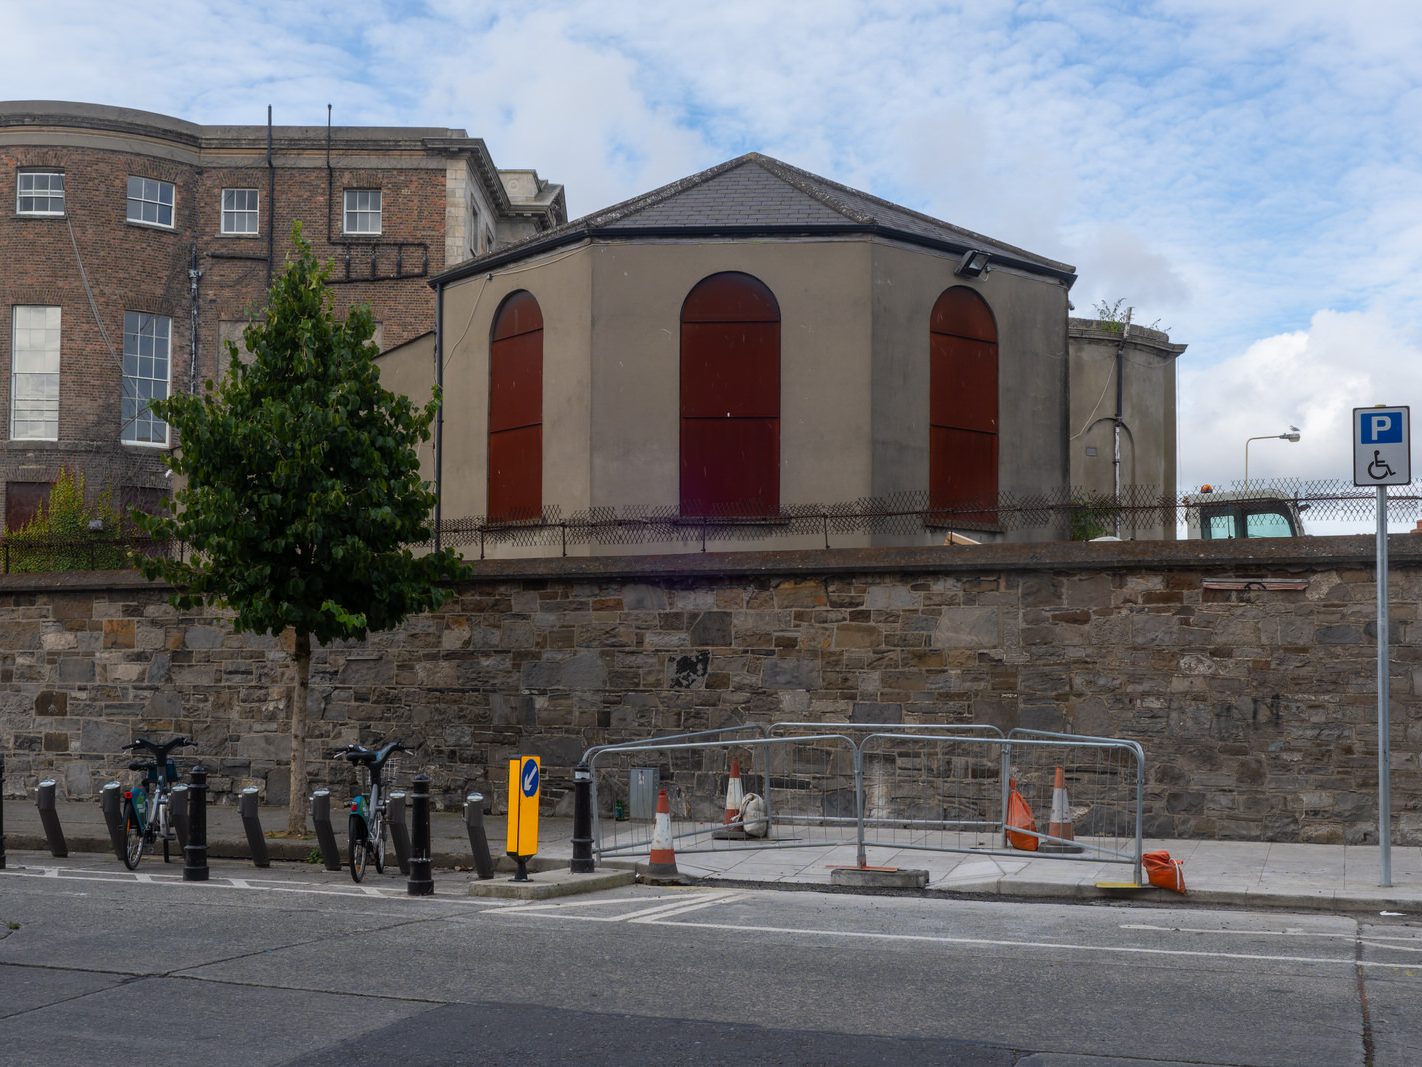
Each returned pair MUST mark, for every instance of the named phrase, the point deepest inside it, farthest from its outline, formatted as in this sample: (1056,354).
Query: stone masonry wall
(1247,672)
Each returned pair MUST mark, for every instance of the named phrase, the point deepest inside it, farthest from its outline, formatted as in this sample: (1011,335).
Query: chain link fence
(1076,514)
(1137,511)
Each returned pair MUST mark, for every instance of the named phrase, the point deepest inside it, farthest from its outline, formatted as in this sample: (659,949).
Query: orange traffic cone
(1020,826)
(660,867)
(1060,825)
(732,829)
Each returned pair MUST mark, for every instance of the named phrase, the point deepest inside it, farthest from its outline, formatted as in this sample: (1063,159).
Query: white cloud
(1244,171)
(1312,379)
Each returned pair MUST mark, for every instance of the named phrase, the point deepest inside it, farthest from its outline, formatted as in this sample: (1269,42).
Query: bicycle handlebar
(160,751)
(374,755)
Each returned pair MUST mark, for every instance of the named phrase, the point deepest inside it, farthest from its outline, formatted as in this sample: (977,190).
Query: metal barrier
(803,778)
(1105,781)
(945,793)
(932,787)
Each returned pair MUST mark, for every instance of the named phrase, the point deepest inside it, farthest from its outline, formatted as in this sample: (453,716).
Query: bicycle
(145,819)
(366,824)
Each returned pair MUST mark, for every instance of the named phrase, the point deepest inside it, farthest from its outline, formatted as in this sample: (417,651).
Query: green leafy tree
(69,533)
(300,491)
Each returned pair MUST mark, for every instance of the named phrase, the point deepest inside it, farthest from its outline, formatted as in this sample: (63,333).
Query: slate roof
(755,195)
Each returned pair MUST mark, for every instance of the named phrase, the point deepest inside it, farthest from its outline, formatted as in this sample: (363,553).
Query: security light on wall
(974,264)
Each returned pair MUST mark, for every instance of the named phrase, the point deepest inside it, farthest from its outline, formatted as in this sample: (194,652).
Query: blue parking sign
(1382,446)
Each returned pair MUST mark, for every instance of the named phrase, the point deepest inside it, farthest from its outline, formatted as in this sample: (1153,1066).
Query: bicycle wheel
(357,847)
(380,847)
(132,838)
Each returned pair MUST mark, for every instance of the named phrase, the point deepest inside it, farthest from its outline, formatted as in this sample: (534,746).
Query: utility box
(642,793)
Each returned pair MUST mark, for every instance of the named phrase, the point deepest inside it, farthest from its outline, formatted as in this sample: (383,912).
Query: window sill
(41,215)
(153,445)
(237,236)
(150,226)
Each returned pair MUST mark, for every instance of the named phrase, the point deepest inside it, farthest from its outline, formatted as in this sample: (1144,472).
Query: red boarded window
(962,406)
(730,398)
(516,410)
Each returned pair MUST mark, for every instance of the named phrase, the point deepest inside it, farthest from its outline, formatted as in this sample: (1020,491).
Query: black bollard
(478,839)
(421,882)
(399,832)
(178,808)
(195,854)
(256,842)
(49,819)
(325,836)
(112,806)
(582,821)
(2,810)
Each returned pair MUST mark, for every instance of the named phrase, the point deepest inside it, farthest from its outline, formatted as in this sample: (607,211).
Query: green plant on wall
(1114,317)
(1092,514)
(69,534)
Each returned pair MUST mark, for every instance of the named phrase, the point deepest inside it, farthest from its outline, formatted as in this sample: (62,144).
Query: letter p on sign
(1381,428)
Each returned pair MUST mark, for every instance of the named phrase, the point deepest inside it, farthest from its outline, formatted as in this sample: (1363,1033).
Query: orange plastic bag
(1019,817)
(1163,871)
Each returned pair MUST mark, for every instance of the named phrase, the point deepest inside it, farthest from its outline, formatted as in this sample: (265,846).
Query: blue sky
(1245,173)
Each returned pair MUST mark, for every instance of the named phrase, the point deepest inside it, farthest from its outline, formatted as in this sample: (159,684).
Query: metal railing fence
(1074,513)
(936,788)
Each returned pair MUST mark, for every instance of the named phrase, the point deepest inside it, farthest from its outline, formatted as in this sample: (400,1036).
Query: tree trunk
(296,805)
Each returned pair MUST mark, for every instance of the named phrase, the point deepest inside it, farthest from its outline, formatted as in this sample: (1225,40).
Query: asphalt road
(296,966)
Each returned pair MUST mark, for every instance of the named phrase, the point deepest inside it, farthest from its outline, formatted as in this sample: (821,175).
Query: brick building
(138,244)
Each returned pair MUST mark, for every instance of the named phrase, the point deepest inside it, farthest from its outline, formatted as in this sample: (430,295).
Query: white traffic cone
(660,868)
(1060,825)
(732,828)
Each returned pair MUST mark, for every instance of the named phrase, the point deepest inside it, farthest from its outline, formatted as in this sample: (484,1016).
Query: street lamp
(1292,435)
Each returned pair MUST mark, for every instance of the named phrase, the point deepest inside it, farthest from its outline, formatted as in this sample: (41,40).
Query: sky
(1246,174)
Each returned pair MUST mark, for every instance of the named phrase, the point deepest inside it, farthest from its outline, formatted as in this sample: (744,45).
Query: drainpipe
(330,177)
(1119,419)
(271,202)
(193,276)
(439,413)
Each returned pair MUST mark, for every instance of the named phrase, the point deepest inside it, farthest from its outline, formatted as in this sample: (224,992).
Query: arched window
(516,410)
(962,406)
(730,398)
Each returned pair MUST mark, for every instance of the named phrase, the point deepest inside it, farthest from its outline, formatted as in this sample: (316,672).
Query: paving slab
(1232,873)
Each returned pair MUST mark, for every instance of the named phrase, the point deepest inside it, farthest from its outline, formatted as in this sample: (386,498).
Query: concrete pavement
(1248,873)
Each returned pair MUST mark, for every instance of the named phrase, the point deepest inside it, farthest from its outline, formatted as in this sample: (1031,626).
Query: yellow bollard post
(524,782)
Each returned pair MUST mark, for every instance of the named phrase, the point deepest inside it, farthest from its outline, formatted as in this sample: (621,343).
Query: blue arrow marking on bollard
(530,778)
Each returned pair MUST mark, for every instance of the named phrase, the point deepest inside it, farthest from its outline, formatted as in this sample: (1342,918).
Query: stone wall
(1247,671)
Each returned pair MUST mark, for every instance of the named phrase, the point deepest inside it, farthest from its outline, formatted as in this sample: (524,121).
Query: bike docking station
(49,819)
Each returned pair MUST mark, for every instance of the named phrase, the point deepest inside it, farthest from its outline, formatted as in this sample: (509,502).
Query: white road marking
(688,906)
(1062,946)
(1407,944)
(650,914)
(256,884)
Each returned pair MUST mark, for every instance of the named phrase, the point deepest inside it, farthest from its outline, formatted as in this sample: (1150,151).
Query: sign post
(524,781)
(1382,456)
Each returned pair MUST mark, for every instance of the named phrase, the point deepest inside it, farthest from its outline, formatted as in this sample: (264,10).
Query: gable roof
(755,195)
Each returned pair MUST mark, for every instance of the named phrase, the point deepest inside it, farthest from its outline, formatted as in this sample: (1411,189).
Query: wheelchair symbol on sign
(1379,467)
